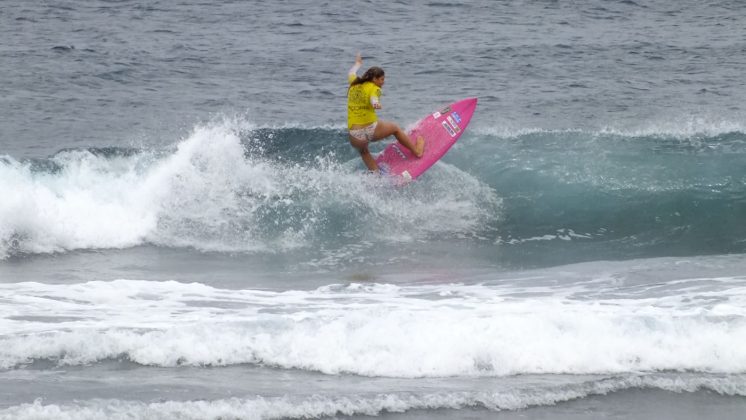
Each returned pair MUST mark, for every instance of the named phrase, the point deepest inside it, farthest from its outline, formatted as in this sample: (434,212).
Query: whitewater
(230,186)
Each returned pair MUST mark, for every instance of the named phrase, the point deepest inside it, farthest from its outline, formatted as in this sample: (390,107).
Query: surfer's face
(378,81)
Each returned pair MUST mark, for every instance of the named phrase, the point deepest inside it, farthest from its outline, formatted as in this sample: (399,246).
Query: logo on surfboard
(453,124)
(398,151)
(448,128)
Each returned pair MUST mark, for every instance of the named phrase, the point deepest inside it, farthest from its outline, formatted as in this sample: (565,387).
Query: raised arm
(352,74)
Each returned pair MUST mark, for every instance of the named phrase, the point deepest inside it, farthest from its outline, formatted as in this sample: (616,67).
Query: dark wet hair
(368,76)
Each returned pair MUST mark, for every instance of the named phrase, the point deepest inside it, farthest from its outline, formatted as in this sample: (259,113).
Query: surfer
(363,99)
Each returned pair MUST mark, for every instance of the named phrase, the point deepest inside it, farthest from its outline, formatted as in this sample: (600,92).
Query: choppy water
(185,233)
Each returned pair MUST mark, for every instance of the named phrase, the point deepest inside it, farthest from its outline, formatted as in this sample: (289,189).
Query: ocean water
(185,232)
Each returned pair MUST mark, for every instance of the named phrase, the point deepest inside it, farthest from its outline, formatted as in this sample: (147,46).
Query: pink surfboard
(440,129)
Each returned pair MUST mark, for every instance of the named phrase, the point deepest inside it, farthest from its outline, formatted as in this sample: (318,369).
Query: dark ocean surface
(185,232)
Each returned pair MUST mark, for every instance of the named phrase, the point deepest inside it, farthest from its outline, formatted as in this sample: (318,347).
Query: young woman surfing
(363,99)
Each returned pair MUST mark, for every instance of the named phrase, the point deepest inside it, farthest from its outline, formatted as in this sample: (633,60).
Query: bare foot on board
(419,147)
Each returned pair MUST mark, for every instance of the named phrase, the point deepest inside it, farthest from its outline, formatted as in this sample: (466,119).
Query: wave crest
(227,187)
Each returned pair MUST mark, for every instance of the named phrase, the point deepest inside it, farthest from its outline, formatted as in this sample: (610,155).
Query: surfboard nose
(466,104)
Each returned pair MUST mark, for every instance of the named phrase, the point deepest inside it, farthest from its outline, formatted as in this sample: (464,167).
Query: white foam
(510,132)
(561,234)
(89,204)
(379,330)
(210,194)
(684,127)
(318,406)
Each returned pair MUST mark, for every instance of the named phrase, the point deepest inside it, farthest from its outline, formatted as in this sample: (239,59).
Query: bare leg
(362,147)
(369,161)
(387,128)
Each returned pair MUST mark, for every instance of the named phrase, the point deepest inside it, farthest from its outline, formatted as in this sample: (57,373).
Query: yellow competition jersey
(359,109)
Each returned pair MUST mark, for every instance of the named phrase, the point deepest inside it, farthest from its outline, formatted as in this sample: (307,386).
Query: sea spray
(227,187)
